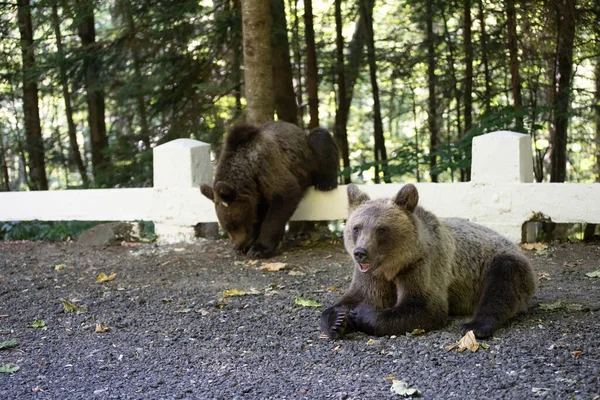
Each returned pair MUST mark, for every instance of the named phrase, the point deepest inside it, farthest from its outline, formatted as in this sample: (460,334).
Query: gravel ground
(173,334)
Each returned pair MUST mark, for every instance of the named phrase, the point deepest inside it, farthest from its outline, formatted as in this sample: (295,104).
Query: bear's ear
(355,197)
(226,192)
(407,197)
(207,191)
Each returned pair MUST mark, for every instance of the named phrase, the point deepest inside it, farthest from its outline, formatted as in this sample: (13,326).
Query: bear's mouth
(364,267)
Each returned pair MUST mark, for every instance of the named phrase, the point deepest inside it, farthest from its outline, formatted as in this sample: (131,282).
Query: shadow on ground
(173,334)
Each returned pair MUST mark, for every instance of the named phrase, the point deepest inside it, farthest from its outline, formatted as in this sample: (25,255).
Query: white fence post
(501,158)
(179,165)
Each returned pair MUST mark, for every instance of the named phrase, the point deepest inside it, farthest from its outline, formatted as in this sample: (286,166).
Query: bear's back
(273,154)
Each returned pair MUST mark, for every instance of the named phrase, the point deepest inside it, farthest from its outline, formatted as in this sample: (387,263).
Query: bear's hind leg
(507,288)
(326,159)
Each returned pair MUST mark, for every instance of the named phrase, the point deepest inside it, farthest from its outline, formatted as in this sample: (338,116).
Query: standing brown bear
(412,270)
(262,174)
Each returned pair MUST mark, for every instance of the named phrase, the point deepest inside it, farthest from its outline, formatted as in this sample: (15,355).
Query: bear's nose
(360,254)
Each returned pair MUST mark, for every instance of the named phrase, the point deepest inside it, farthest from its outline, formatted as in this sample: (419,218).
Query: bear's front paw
(258,250)
(363,317)
(482,329)
(335,322)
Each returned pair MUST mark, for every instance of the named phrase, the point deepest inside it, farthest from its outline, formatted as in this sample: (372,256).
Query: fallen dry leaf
(59,267)
(593,274)
(543,275)
(233,293)
(577,353)
(417,332)
(466,342)
(401,388)
(333,288)
(236,292)
(130,244)
(273,267)
(101,327)
(296,273)
(534,246)
(105,278)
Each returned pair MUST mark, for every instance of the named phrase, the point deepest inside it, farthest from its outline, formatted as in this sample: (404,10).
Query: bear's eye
(355,229)
(382,231)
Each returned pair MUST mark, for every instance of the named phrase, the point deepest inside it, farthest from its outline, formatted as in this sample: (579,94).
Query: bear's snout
(360,254)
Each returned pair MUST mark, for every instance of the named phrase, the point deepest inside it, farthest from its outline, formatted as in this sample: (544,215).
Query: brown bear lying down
(412,270)
(261,176)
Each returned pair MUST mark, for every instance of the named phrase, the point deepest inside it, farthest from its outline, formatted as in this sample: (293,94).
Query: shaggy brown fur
(262,174)
(412,270)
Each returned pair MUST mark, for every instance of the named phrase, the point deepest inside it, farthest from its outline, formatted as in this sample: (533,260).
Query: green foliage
(56,231)
(52,231)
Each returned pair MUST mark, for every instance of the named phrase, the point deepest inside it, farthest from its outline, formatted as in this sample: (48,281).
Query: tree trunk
(137,74)
(341,133)
(432,101)
(312,73)
(590,229)
(564,56)
(487,98)
(258,69)
(94,92)
(285,98)
(236,45)
(298,62)
(468,64)
(513,50)
(414,111)
(454,78)
(3,167)
(33,129)
(380,151)
(75,155)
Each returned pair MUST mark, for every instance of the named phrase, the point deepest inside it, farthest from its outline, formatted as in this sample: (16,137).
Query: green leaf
(9,344)
(402,389)
(9,368)
(594,274)
(72,307)
(37,324)
(306,302)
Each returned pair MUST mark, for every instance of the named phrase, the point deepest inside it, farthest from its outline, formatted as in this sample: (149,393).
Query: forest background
(87,88)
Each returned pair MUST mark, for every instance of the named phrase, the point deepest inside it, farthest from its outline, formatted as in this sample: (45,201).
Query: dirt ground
(174,333)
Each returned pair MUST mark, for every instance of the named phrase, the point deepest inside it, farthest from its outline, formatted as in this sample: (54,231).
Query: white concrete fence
(501,195)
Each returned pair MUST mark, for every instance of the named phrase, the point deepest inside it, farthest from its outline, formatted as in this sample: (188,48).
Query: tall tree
(513,50)
(379,150)
(285,97)
(354,62)
(75,155)
(3,166)
(341,132)
(33,129)
(468,43)
(258,70)
(312,72)
(92,68)
(565,10)
(487,99)
(134,48)
(431,83)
